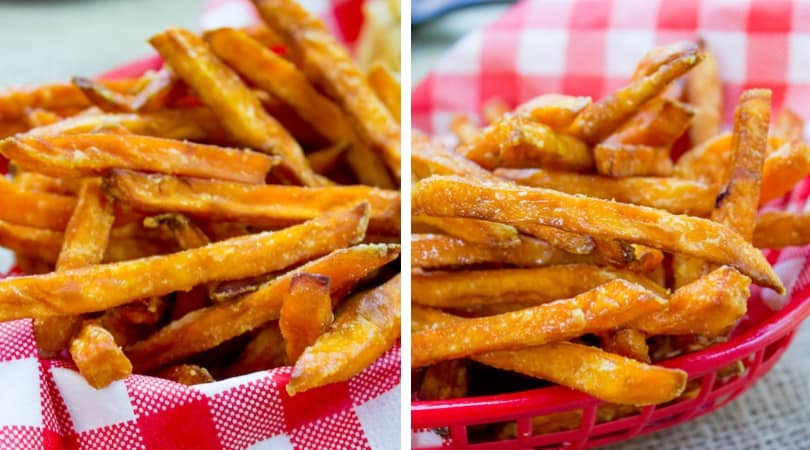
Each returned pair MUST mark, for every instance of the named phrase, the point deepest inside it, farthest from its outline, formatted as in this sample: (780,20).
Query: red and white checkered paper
(46,404)
(590,47)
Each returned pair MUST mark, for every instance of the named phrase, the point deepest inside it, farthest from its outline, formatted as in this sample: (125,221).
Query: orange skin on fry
(366,326)
(778,229)
(470,230)
(14,103)
(554,110)
(428,157)
(704,90)
(588,369)
(626,342)
(104,286)
(306,313)
(88,231)
(604,307)
(435,250)
(577,244)
(99,359)
(629,160)
(692,236)
(208,327)
(675,195)
(387,88)
(323,58)
(784,167)
(707,162)
(530,286)
(90,154)
(36,182)
(231,100)
(102,96)
(34,242)
(34,209)
(659,123)
(251,204)
(461,125)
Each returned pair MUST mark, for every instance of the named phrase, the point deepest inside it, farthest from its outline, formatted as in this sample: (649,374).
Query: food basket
(589,48)
(47,405)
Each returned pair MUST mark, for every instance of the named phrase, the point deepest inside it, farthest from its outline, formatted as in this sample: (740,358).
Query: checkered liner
(590,47)
(47,404)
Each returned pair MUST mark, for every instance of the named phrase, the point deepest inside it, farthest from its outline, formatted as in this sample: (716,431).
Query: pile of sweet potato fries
(210,219)
(565,241)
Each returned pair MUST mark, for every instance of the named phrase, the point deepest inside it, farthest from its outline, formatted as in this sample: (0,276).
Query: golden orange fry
(14,102)
(187,374)
(574,243)
(387,88)
(326,159)
(38,117)
(628,160)
(788,125)
(507,203)
(37,182)
(778,229)
(707,162)
(494,109)
(429,157)
(784,167)
(470,230)
(554,110)
(626,342)
(431,251)
(38,243)
(88,231)
(704,90)
(444,380)
(365,327)
(99,359)
(264,351)
(30,208)
(102,96)
(463,128)
(659,123)
(306,313)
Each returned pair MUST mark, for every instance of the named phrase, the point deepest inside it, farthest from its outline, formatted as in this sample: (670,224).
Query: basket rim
(545,400)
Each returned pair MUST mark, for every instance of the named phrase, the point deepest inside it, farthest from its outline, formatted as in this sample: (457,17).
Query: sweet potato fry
(463,128)
(38,243)
(187,301)
(577,244)
(784,167)
(85,290)
(431,158)
(626,342)
(96,154)
(34,209)
(129,248)
(387,88)
(601,118)
(607,306)
(693,236)
(186,234)
(659,123)
(208,327)
(231,100)
(324,58)
(187,374)
(99,359)
(704,90)
(677,196)
(527,286)
(515,141)
(778,229)
(604,375)
(14,103)
(306,313)
(155,92)
(257,205)
(431,251)
(365,327)
(102,96)
(627,160)
(38,117)
(32,181)
(788,125)
(709,306)
(12,127)
(736,205)
(707,162)
(325,160)
(471,230)
(88,231)
(264,351)
(494,109)
(444,380)
(554,110)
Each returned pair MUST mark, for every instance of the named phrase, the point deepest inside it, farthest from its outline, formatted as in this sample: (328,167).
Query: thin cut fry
(264,351)
(365,327)
(325,160)
(431,251)
(34,209)
(554,110)
(306,313)
(208,327)
(693,236)
(627,342)
(38,243)
(599,119)
(778,229)
(99,359)
(83,290)
(187,374)
(252,204)
(102,96)
(331,64)
(659,124)
(604,375)
(704,90)
(38,117)
(14,103)
(88,231)
(675,195)
(387,88)
(80,155)
(32,181)
(463,128)
(607,306)
(784,167)
(531,286)
(627,160)
(578,244)
(231,100)
(707,162)
(471,230)
(431,158)
(515,141)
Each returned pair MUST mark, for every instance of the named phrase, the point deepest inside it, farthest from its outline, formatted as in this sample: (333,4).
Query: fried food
(306,313)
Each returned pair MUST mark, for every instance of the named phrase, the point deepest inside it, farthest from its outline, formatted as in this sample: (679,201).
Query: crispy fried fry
(607,306)
(32,181)
(431,158)
(386,86)
(675,195)
(365,327)
(599,119)
(444,380)
(38,117)
(324,58)
(82,290)
(693,236)
(554,110)
(778,229)
(709,306)
(257,205)
(788,125)
(525,286)
(95,154)
(88,231)
(494,109)
(34,209)
(577,244)
(264,351)
(708,162)
(306,313)
(627,160)
(232,101)
(704,90)
(14,103)
(208,327)
(463,128)
(659,123)
(325,160)
(627,342)
(432,251)
(471,230)
(186,234)
(515,141)
(99,359)
(155,93)
(784,167)
(187,374)
(102,96)
(38,243)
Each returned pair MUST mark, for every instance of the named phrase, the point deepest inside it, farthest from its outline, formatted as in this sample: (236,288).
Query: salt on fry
(432,251)
(627,160)
(778,229)
(99,359)
(554,110)
(306,313)
(471,230)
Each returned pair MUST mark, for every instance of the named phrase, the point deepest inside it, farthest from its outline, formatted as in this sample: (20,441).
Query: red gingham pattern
(590,47)
(47,405)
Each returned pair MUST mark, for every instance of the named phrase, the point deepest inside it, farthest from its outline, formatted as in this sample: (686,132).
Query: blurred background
(53,40)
